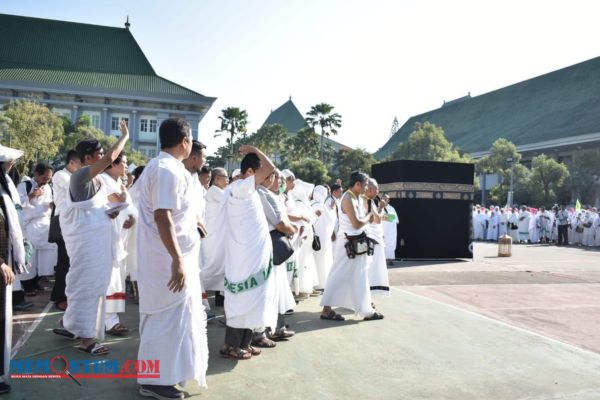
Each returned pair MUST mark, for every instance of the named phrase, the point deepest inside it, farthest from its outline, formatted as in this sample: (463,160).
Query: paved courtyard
(525,327)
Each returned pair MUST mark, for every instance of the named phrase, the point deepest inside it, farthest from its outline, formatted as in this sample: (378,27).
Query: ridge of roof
(556,104)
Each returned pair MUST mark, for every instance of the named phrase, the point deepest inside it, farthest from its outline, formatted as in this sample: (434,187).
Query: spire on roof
(127,24)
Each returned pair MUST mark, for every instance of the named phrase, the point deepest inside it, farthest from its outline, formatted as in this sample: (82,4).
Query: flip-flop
(65,333)
(373,317)
(94,349)
(263,342)
(332,316)
(235,354)
(118,330)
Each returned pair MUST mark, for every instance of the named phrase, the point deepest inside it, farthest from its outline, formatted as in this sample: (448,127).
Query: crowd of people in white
(260,240)
(561,225)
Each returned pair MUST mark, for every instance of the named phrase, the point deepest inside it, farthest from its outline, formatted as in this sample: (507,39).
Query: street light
(509,200)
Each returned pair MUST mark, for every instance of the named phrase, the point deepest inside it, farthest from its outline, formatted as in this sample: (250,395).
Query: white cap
(236,172)
(9,154)
(286,173)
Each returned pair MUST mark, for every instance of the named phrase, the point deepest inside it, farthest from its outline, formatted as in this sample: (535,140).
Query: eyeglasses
(221,176)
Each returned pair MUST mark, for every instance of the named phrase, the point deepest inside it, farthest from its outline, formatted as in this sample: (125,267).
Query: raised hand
(123,128)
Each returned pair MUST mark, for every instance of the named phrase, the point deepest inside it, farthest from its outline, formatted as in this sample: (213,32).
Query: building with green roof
(81,69)
(291,118)
(555,113)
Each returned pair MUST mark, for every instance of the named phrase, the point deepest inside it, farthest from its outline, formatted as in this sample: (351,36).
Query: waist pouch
(359,244)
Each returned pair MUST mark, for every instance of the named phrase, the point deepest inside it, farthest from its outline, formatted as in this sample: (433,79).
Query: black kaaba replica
(433,201)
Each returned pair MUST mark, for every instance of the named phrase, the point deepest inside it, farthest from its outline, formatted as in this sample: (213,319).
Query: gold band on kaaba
(427,190)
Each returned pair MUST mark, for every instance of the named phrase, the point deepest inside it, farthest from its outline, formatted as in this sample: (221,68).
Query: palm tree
(321,115)
(233,121)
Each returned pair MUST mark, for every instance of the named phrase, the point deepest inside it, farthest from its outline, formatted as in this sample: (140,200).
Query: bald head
(372,188)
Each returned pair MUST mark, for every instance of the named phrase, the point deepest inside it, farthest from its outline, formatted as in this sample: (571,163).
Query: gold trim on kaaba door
(427,190)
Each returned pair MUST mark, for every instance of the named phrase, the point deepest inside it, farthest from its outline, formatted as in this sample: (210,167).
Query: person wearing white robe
(478,225)
(596,228)
(308,277)
(534,228)
(492,231)
(513,224)
(250,288)
(524,219)
(37,209)
(277,220)
(324,229)
(390,232)
(212,270)
(503,222)
(115,295)
(379,281)
(587,238)
(88,234)
(544,222)
(577,226)
(172,317)
(348,282)
(12,256)
(60,188)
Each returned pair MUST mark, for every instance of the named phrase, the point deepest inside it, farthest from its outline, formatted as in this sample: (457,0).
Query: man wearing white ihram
(172,318)
(378,274)
(89,239)
(348,282)
(390,232)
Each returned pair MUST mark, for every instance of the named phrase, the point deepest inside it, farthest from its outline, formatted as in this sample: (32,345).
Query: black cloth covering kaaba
(434,202)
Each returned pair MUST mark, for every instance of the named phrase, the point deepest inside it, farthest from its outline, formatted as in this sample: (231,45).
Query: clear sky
(372,60)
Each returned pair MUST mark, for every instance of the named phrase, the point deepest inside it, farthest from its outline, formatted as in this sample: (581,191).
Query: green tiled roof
(556,105)
(290,117)
(68,54)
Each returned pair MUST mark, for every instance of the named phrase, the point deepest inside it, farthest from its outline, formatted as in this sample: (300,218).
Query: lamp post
(509,200)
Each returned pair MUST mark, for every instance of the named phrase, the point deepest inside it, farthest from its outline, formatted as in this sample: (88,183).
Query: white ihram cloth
(348,282)
(514,233)
(36,220)
(115,293)
(89,239)
(390,232)
(16,259)
(324,227)
(249,303)
(379,281)
(299,205)
(212,252)
(275,213)
(524,218)
(172,325)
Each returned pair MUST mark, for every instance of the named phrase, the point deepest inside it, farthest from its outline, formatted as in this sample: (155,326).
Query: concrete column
(74,114)
(104,122)
(134,129)
(193,120)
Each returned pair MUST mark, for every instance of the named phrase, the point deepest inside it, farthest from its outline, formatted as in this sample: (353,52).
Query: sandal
(264,342)
(118,330)
(375,316)
(332,316)
(94,349)
(65,333)
(253,351)
(235,353)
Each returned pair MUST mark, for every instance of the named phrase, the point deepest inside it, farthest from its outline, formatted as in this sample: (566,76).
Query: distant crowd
(560,225)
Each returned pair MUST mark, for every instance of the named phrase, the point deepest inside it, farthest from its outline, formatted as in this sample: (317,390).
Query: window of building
(114,123)
(95,119)
(152,126)
(143,125)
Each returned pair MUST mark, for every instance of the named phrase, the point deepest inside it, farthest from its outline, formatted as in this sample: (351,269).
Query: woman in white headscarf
(12,255)
(324,227)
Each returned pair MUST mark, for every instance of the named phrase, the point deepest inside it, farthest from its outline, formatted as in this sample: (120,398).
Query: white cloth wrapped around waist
(90,241)
(250,290)
(212,254)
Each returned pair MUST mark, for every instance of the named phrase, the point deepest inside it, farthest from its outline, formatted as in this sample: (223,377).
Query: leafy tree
(304,144)
(32,128)
(310,170)
(428,143)
(322,115)
(546,176)
(583,181)
(271,139)
(347,161)
(233,122)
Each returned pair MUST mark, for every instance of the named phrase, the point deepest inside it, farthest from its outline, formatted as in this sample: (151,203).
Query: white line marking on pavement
(27,334)
(499,322)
